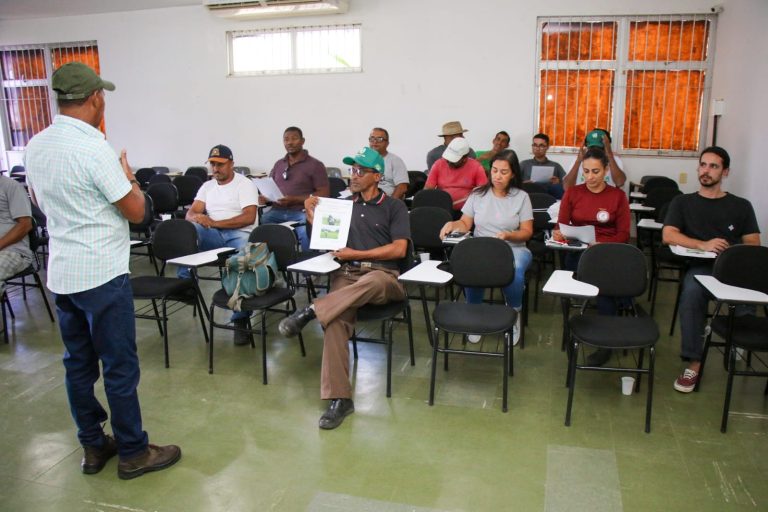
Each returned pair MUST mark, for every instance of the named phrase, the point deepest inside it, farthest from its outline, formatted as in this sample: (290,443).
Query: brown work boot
(95,458)
(154,458)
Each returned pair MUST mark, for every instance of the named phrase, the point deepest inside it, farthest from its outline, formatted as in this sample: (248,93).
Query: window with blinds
(646,79)
(326,49)
(28,103)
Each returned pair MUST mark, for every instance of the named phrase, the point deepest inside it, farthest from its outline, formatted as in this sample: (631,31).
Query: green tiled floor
(249,447)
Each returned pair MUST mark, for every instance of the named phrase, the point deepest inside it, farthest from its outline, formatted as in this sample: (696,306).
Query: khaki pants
(351,288)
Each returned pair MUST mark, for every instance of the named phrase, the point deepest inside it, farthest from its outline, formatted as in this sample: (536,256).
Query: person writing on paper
(597,138)
(595,203)
(457,174)
(710,219)
(297,175)
(378,239)
(500,209)
(224,213)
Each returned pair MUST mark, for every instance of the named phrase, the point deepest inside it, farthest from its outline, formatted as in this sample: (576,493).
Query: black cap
(221,154)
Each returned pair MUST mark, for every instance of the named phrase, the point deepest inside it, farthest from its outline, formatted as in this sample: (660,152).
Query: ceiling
(20,9)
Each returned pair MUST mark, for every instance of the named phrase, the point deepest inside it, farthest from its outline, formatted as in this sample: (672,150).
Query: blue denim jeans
(693,312)
(280,215)
(99,325)
(212,238)
(513,292)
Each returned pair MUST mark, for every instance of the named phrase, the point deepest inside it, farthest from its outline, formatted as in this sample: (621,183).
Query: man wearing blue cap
(378,238)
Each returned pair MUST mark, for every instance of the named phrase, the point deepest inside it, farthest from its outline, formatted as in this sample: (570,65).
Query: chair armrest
(319,265)
(427,273)
(562,283)
(201,258)
(731,294)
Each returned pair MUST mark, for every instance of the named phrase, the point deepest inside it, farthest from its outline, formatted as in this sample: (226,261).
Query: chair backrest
(337,185)
(659,182)
(39,216)
(174,238)
(242,169)
(160,169)
(281,240)
(540,203)
(433,197)
(409,260)
(647,177)
(483,262)
(187,187)
(143,175)
(149,217)
(34,237)
(533,188)
(333,172)
(416,181)
(16,169)
(199,172)
(618,270)
(658,197)
(426,223)
(743,266)
(165,197)
(159,178)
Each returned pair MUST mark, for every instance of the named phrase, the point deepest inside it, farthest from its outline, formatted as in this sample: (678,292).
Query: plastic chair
(143,175)
(165,198)
(433,197)
(198,172)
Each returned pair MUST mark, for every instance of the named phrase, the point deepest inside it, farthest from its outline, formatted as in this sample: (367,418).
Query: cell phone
(455,234)
(573,242)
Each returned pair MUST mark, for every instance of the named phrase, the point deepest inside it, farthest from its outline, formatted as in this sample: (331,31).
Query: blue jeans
(513,292)
(99,325)
(212,238)
(280,215)
(693,313)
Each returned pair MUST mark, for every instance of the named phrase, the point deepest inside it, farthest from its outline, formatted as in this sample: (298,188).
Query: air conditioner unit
(244,10)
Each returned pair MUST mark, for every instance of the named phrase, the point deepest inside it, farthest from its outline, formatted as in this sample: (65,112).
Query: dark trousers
(99,325)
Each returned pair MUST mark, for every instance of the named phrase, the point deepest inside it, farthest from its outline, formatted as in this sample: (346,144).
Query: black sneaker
(292,325)
(242,337)
(338,409)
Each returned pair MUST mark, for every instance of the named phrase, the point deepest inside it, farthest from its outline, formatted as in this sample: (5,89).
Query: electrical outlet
(683,179)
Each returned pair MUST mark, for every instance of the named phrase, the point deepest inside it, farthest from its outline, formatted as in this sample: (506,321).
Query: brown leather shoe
(95,458)
(154,459)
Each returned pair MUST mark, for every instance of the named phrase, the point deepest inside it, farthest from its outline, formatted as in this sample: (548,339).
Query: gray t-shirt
(526,168)
(14,203)
(395,173)
(493,214)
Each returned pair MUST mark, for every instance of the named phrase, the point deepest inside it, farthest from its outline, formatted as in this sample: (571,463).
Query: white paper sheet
(330,227)
(268,188)
(541,173)
(584,234)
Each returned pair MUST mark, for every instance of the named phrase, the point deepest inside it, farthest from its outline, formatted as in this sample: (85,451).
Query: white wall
(425,62)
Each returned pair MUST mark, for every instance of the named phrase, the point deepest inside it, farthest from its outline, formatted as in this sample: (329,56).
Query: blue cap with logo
(368,158)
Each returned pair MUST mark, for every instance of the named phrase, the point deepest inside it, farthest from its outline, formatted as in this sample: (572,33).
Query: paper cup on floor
(627,385)
(424,256)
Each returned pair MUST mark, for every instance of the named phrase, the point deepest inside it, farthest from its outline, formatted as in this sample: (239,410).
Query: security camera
(717,9)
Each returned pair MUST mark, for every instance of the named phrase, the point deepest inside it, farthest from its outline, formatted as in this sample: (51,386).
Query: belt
(368,264)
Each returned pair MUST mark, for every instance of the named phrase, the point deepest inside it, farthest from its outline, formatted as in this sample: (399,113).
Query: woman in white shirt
(503,210)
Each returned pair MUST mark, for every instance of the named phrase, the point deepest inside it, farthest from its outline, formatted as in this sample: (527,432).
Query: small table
(424,274)
(562,284)
(198,259)
(692,253)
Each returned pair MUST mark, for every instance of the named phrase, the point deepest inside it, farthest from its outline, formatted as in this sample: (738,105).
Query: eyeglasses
(539,146)
(377,139)
(360,172)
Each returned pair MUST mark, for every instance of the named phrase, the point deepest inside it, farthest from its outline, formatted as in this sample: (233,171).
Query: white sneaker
(516,329)
(474,338)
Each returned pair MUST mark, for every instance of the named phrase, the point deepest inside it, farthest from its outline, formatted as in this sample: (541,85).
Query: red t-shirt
(460,182)
(608,211)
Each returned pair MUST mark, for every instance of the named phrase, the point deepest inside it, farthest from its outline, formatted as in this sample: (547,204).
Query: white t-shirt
(226,201)
(608,178)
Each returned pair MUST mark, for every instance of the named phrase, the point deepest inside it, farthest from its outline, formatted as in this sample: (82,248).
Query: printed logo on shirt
(731,228)
(603,216)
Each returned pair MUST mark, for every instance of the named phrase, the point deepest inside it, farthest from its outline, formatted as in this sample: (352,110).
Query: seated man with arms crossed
(15,223)
(224,213)
(378,238)
(710,220)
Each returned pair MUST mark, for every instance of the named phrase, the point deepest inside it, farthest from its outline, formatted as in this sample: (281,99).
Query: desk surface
(692,253)
(637,207)
(558,246)
(427,272)
(650,224)
(561,282)
(734,294)
(637,195)
(201,258)
(323,264)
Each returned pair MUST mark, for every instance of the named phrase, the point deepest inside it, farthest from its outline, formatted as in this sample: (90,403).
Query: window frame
(293,31)
(620,66)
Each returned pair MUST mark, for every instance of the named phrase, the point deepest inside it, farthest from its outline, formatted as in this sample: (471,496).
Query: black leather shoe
(338,409)
(154,458)
(292,325)
(95,458)
(599,357)
(242,337)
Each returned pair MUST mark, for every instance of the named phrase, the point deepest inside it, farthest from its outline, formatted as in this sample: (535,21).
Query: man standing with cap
(457,174)
(451,130)
(378,238)
(224,214)
(602,139)
(89,196)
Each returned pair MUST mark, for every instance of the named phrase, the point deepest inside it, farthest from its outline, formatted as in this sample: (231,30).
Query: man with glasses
(378,238)
(457,174)
(394,182)
(708,220)
(540,146)
(224,213)
(297,175)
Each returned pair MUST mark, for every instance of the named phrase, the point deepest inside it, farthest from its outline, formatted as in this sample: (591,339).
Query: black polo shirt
(377,222)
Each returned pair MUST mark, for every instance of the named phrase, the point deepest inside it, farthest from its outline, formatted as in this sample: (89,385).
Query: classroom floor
(250,447)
